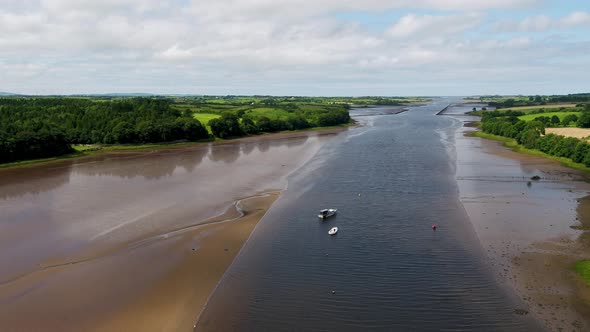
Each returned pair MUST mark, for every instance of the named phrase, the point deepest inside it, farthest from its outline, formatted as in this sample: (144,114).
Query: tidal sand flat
(134,240)
(531,230)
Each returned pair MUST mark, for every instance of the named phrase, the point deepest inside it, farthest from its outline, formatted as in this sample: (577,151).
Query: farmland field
(560,115)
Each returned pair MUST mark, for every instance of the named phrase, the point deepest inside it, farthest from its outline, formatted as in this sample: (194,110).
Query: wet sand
(531,230)
(134,241)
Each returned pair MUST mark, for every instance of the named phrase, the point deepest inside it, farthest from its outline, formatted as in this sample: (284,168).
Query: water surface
(391,180)
(86,240)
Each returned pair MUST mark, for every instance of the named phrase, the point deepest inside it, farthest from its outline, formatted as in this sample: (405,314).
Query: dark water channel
(391,180)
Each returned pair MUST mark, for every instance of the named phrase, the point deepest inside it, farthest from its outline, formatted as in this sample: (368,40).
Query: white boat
(325,213)
(333,231)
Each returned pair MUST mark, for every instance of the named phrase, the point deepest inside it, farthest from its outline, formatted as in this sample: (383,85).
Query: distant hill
(7,94)
(119,94)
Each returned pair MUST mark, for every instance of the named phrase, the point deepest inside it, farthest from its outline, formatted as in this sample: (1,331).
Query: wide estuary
(391,179)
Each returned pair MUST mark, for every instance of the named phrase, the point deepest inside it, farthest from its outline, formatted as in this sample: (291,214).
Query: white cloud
(432,26)
(574,19)
(304,8)
(264,46)
(544,23)
(176,53)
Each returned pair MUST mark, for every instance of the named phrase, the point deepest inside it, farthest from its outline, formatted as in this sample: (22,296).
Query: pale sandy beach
(135,241)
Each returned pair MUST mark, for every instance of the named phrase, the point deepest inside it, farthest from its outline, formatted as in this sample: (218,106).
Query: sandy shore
(532,231)
(135,241)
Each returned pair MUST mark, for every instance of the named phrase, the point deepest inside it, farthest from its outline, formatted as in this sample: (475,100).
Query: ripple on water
(387,268)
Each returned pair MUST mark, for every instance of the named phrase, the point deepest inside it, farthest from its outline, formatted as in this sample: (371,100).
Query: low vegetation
(583,269)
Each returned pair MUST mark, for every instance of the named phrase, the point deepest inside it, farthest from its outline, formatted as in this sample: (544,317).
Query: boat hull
(328,214)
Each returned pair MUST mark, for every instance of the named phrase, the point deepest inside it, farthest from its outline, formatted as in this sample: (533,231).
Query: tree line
(237,124)
(531,135)
(541,100)
(46,127)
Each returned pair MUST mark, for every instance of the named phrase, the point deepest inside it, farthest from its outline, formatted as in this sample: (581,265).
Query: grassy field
(271,113)
(583,269)
(560,115)
(531,108)
(511,143)
(204,119)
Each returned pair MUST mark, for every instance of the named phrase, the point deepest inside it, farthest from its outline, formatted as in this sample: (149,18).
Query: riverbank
(81,151)
(514,146)
(135,240)
(531,230)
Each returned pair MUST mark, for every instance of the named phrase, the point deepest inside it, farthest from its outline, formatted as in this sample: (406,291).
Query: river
(391,179)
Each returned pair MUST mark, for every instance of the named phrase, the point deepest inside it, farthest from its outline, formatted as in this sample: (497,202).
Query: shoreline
(529,229)
(77,155)
(511,144)
(236,232)
(168,302)
(161,276)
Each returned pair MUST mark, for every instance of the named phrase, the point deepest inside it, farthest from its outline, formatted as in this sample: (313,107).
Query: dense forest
(46,127)
(531,134)
(42,127)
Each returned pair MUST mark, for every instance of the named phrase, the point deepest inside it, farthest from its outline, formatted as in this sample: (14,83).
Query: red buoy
(434,227)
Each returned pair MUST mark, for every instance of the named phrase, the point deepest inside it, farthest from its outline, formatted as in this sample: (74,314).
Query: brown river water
(83,241)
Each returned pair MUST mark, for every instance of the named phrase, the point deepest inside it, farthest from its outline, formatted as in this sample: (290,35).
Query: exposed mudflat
(532,231)
(134,241)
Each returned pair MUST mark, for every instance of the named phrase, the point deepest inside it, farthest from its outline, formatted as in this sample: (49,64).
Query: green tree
(264,124)
(249,127)
(582,149)
(228,125)
(528,138)
(569,119)
(584,120)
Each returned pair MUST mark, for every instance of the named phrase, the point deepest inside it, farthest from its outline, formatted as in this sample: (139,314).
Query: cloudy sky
(295,47)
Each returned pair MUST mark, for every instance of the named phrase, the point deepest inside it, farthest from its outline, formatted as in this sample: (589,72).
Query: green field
(542,110)
(560,115)
(204,119)
(583,269)
(271,113)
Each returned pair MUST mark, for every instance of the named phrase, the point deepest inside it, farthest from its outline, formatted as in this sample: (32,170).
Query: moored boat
(325,213)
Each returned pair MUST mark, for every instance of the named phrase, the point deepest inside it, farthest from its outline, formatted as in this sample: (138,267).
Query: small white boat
(325,213)
(333,231)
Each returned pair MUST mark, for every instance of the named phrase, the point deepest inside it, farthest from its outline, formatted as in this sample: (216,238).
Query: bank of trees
(531,135)
(236,124)
(46,127)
